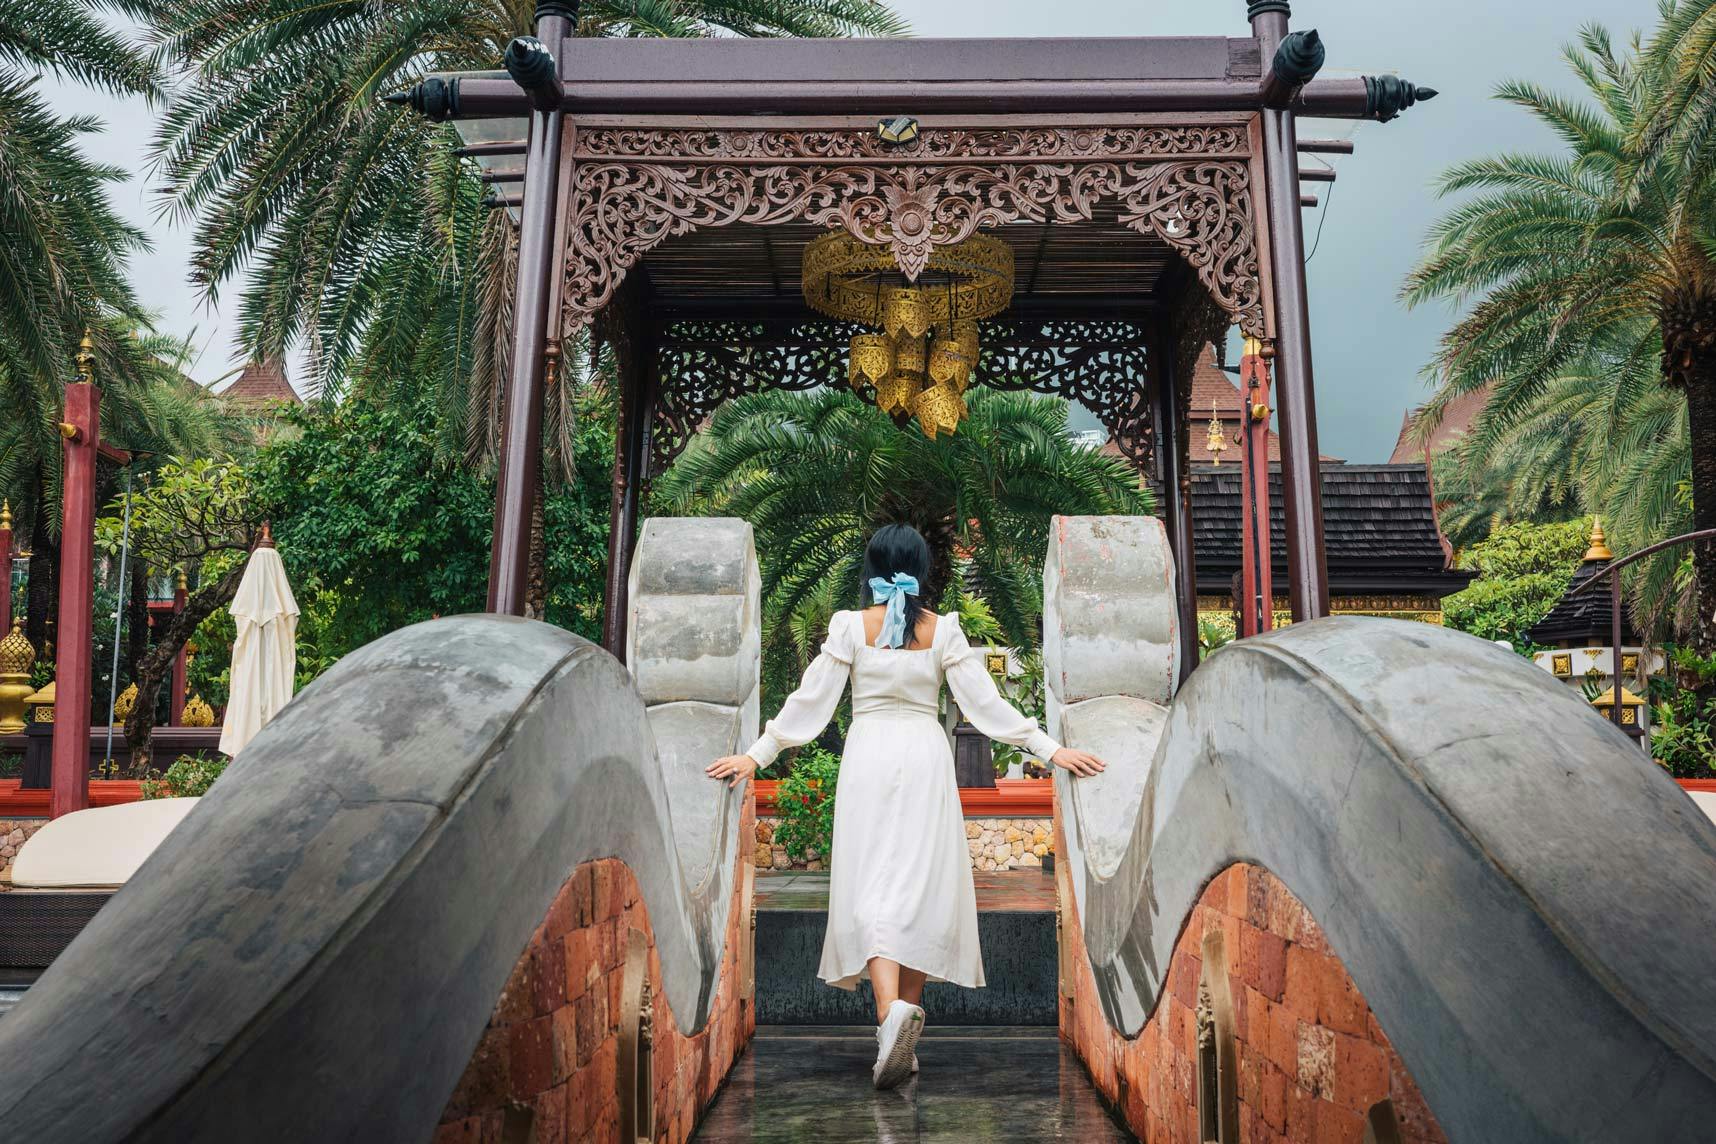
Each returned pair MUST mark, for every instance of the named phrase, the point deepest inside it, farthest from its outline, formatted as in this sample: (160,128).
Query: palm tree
(1592,256)
(278,149)
(816,473)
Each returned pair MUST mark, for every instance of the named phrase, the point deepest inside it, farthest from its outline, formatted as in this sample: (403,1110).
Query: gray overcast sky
(1369,350)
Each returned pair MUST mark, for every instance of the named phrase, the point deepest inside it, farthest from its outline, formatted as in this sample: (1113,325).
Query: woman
(901,906)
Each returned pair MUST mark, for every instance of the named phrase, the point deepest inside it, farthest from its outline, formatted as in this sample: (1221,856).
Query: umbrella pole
(118,616)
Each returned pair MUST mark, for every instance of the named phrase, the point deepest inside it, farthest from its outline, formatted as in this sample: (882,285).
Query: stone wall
(14,832)
(994,844)
(551,1051)
(1309,1061)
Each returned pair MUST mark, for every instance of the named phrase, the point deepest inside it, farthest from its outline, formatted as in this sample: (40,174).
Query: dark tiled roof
(260,384)
(1379,530)
(1584,619)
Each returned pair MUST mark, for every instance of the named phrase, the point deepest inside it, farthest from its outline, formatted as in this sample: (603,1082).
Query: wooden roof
(1380,531)
(1583,620)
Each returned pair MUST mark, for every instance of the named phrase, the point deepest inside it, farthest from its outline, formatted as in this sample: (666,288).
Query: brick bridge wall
(552,1045)
(1312,1060)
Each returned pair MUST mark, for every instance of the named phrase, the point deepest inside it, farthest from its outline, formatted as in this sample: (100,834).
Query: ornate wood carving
(1099,363)
(1189,187)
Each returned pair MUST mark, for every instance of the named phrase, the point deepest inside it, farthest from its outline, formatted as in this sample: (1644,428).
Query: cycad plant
(1586,258)
(816,473)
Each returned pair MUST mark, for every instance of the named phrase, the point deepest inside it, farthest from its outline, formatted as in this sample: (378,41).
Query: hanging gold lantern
(894,393)
(949,364)
(910,360)
(871,359)
(906,312)
(939,409)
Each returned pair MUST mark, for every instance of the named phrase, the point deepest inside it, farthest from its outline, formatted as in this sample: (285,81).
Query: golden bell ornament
(871,359)
(939,409)
(907,313)
(910,359)
(949,364)
(17,656)
(895,392)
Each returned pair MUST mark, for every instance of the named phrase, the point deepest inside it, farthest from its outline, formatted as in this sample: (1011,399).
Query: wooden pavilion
(1149,190)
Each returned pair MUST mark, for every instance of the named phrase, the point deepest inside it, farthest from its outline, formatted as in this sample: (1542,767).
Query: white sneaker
(896,1044)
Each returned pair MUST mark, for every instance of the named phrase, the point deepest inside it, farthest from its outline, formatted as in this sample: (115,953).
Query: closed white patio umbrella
(265,655)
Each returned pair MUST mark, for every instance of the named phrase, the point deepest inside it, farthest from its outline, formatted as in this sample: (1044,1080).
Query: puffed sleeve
(808,710)
(981,702)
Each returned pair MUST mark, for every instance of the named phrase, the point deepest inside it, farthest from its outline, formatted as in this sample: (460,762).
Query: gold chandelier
(921,361)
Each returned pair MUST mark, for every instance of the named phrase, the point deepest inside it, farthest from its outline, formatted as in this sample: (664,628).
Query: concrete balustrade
(1522,899)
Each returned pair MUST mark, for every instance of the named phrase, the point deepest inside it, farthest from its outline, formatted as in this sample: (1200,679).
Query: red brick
(530,1048)
(1416,1120)
(485,1084)
(1272,1104)
(583,962)
(518,997)
(1183,978)
(1257,896)
(1361,1072)
(583,884)
(1241,1009)
(1337,1125)
(550,1119)
(563,1029)
(591,1020)
(1340,1006)
(549,976)
(1303,982)
(1283,1046)
(559,920)
(1263,961)
(1301,1116)
(1235,884)
(1316,1071)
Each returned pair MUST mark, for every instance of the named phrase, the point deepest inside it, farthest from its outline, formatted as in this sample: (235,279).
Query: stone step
(1015,923)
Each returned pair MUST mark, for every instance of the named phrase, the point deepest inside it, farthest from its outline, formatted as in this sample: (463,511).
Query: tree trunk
(42,591)
(136,616)
(156,665)
(536,573)
(1689,363)
(1701,416)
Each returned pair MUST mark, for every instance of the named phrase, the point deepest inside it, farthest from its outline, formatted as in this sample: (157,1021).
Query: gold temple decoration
(1631,705)
(1599,549)
(123,706)
(86,359)
(17,656)
(43,702)
(1217,443)
(923,360)
(6,515)
(197,713)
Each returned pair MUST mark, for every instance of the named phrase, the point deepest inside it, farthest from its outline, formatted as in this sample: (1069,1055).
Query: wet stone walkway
(811,1085)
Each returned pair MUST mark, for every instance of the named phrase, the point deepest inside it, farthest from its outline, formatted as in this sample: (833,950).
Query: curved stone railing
(1524,900)
(314,953)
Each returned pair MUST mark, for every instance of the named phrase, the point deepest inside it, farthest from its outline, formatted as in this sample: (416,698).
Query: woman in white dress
(901,906)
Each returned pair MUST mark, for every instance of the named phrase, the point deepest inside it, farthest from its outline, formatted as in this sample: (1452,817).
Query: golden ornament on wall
(123,705)
(197,713)
(41,704)
(926,355)
(17,656)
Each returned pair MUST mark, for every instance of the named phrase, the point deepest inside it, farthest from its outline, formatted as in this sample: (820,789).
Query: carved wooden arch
(1191,185)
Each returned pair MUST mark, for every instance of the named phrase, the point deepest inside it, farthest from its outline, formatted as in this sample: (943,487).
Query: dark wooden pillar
(637,357)
(521,440)
(73,678)
(1173,471)
(1301,476)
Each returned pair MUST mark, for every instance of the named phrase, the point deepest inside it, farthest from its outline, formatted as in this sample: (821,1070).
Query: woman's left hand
(1081,763)
(736,767)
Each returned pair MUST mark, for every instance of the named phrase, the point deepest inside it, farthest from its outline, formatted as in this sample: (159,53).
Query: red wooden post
(176,704)
(1256,613)
(73,680)
(5,566)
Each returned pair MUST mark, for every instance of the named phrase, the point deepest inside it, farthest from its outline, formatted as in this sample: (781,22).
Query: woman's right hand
(1081,763)
(735,767)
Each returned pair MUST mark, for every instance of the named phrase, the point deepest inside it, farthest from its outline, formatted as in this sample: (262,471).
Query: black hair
(898,548)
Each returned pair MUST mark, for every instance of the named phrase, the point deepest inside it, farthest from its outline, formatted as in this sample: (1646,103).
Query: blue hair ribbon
(893,633)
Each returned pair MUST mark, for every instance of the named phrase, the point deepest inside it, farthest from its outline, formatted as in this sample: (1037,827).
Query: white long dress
(900,876)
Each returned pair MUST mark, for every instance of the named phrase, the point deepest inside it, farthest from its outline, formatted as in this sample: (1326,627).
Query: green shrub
(190,776)
(1683,717)
(804,805)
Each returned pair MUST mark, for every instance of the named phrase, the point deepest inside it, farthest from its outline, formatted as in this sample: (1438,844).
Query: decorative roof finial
(1217,442)
(6,515)
(1599,549)
(86,358)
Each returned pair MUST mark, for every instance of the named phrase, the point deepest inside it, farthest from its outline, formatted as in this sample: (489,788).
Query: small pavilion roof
(260,384)
(1584,620)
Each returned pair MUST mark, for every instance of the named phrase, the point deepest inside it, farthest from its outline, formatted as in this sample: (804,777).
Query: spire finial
(6,515)
(1599,549)
(86,357)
